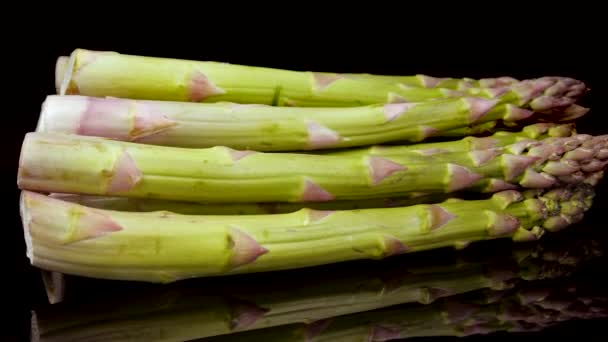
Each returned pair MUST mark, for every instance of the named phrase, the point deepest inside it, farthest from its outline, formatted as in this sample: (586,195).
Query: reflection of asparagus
(528,307)
(68,163)
(267,128)
(106,73)
(73,239)
(187,310)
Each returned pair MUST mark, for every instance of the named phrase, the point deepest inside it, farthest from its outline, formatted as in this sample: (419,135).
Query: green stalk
(499,139)
(164,247)
(188,310)
(65,163)
(108,73)
(266,128)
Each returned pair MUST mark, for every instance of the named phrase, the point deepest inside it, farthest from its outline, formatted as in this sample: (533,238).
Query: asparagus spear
(420,80)
(65,163)
(266,128)
(108,73)
(200,310)
(499,139)
(531,307)
(69,238)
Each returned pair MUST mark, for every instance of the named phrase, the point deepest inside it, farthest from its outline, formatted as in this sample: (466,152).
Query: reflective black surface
(489,290)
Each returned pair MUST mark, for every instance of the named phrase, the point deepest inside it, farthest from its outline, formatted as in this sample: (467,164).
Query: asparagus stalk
(109,73)
(279,299)
(532,307)
(420,80)
(69,238)
(499,139)
(65,163)
(266,128)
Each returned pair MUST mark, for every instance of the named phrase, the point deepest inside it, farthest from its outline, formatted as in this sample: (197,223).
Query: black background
(392,40)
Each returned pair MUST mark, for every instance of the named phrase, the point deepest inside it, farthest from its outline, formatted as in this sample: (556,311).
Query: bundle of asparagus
(157,170)
(189,309)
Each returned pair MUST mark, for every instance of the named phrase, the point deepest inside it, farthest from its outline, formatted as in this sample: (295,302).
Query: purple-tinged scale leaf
(237,155)
(430,81)
(515,165)
(201,87)
(86,223)
(560,168)
(501,224)
(315,193)
(149,121)
(438,217)
(535,180)
(496,92)
(381,168)
(573,112)
(320,136)
(317,215)
(515,113)
(546,151)
(245,249)
(602,154)
(427,132)
(496,185)
(393,111)
(478,107)
(520,146)
(594,166)
(460,178)
(394,246)
(323,80)
(579,154)
(126,174)
(481,157)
